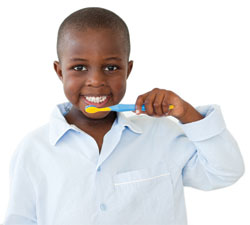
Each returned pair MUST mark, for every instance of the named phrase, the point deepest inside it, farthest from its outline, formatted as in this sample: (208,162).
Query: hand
(157,104)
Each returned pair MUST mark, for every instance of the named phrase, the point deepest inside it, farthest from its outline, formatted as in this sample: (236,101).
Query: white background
(198,49)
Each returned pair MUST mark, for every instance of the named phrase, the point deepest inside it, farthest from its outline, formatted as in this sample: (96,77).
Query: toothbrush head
(94,109)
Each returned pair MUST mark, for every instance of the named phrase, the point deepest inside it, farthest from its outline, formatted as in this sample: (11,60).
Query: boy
(105,168)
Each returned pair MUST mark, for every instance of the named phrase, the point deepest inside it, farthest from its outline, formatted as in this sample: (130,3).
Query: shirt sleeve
(21,207)
(216,161)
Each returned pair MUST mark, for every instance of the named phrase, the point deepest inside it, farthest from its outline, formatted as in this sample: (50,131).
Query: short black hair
(93,17)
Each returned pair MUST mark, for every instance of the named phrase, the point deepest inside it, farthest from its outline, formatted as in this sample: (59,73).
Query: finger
(165,106)
(157,104)
(149,103)
(139,102)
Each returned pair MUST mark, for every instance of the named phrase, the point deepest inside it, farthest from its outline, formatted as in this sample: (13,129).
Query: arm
(21,209)
(217,161)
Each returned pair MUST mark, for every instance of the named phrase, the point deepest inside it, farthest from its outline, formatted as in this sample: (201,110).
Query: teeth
(96,99)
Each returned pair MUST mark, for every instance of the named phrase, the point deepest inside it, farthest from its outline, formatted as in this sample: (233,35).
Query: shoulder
(37,135)
(31,143)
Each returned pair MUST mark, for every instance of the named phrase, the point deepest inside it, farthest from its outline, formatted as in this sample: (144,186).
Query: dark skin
(97,75)
(86,69)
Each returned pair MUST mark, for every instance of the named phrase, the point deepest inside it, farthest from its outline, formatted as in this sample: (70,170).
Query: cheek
(120,88)
(71,87)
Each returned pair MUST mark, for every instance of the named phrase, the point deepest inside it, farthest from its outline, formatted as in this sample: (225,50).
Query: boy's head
(93,49)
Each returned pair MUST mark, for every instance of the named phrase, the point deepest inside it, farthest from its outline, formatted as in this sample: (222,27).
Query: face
(93,69)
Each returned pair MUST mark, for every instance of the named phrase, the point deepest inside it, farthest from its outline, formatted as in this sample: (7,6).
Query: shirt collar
(58,125)
(124,121)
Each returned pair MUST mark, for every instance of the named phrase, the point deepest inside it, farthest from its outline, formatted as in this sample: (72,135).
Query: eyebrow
(115,58)
(78,59)
(110,58)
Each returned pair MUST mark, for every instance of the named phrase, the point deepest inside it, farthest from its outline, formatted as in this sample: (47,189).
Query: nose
(95,79)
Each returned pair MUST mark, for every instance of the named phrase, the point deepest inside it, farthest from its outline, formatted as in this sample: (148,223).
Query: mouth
(98,101)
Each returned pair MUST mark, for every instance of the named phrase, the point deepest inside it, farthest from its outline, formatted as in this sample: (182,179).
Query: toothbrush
(117,108)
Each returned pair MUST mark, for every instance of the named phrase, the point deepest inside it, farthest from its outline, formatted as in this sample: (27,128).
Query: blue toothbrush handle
(125,107)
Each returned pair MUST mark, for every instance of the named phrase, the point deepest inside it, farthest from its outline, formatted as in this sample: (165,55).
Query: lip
(99,105)
(95,95)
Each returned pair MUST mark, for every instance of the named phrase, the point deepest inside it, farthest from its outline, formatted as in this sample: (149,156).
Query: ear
(130,66)
(58,70)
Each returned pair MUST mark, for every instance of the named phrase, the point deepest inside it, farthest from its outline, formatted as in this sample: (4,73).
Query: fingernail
(137,111)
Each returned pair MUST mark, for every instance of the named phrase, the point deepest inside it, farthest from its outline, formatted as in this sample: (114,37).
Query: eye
(111,68)
(79,68)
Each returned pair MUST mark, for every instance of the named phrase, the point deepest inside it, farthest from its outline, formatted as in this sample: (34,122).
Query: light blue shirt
(58,176)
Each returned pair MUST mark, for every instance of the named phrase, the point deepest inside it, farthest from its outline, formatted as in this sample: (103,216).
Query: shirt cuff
(211,125)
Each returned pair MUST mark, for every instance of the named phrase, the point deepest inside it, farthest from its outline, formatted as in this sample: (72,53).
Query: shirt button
(99,169)
(103,207)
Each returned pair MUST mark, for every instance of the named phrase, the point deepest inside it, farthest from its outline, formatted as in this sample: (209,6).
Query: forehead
(93,42)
